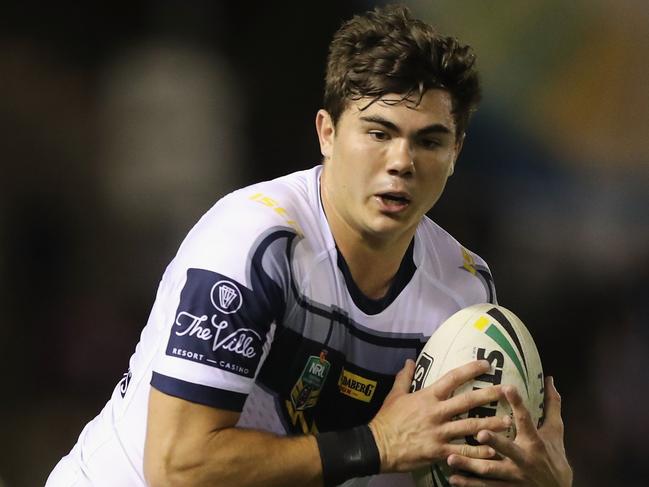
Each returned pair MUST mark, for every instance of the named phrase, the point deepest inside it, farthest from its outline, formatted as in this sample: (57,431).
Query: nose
(401,159)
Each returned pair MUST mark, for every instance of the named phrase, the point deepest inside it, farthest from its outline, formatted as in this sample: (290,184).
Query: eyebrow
(428,129)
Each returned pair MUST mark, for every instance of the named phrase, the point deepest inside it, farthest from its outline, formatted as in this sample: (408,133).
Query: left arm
(535,458)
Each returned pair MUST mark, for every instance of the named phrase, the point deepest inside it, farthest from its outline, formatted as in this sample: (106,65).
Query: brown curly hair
(388,51)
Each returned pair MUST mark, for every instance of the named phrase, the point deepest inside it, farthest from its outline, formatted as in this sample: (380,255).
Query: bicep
(178,431)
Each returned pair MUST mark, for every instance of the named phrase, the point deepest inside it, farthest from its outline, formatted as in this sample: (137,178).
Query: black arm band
(348,454)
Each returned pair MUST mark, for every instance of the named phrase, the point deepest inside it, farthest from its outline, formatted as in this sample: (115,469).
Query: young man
(280,347)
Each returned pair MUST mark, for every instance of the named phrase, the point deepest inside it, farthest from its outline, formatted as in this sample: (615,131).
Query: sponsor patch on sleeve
(218,323)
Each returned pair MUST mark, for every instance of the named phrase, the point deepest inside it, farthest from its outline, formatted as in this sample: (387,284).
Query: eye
(429,143)
(378,135)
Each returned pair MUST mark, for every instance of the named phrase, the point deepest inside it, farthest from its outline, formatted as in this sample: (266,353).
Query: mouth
(393,202)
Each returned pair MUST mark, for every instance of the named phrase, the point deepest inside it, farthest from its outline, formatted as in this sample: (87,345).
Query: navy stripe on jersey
(198,393)
(370,345)
(488,282)
(260,279)
(337,315)
(285,363)
(362,361)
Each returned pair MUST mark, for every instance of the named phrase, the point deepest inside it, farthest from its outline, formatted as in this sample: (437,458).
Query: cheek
(436,174)
(354,162)
(441,166)
(354,152)
(435,181)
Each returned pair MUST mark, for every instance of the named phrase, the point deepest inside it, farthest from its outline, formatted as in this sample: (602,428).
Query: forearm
(248,457)
(240,457)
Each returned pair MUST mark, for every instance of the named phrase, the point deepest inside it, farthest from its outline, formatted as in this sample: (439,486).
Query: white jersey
(258,313)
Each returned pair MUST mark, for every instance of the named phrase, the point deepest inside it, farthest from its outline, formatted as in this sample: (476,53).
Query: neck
(373,269)
(372,260)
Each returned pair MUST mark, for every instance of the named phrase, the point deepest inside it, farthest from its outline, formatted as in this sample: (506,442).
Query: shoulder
(281,201)
(460,269)
(229,234)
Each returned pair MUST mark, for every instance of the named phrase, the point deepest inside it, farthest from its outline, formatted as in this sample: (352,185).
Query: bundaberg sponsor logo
(355,386)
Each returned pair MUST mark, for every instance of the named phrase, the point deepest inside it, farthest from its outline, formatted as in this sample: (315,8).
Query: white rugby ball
(481,331)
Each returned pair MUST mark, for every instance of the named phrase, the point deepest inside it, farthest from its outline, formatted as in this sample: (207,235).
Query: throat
(373,286)
(374,281)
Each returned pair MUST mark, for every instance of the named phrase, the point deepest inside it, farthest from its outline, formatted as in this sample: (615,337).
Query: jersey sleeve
(218,304)
(476,266)
(462,273)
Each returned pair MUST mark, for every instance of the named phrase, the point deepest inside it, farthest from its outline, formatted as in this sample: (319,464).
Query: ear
(326,131)
(458,148)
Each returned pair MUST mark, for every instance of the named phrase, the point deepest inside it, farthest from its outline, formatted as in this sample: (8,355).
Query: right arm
(191,444)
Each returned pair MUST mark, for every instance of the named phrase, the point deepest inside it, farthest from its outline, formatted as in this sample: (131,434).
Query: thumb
(552,407)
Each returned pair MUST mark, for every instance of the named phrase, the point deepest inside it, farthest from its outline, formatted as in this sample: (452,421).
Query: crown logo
(226,297)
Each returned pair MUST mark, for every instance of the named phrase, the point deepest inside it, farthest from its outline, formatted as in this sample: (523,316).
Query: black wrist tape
(348,454)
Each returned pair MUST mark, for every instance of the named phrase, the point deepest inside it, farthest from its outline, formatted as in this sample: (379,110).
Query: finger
(484,468)
(445,385)
(501,444)
(466,401)
(472,426)
(402,380)
(552,407)
(470,451)
(457,479)
(524,424)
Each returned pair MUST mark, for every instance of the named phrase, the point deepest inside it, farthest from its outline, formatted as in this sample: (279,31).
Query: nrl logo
(226,297)
(306,391)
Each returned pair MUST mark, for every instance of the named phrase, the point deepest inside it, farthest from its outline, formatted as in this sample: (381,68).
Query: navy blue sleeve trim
(198,393)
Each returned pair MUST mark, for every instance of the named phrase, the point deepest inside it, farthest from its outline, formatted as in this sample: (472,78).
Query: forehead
(435,107)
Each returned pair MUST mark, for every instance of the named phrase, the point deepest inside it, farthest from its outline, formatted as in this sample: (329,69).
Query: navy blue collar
(401,279)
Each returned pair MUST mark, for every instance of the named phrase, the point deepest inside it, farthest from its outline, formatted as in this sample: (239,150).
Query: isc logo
(317,369)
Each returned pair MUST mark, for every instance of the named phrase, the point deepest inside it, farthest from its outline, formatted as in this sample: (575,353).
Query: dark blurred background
(121,124)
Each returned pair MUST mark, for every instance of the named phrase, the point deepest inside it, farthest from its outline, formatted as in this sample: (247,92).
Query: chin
(386,228)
